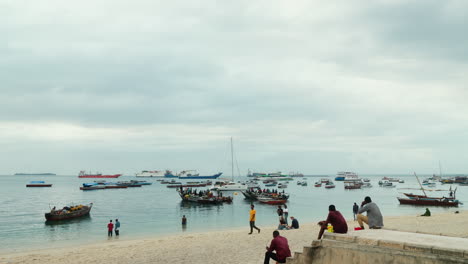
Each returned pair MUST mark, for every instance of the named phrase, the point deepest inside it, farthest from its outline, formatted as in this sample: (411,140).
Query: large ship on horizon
(83,174)
(346,176)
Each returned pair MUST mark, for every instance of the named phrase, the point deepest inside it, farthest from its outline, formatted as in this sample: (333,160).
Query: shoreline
(226,246)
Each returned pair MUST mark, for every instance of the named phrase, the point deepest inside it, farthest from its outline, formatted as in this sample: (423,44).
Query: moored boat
(273,201)
(318,184)
(68,212)
(38,184)
(329,185)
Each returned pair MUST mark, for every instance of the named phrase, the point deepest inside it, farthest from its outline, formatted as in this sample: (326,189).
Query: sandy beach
(231,246)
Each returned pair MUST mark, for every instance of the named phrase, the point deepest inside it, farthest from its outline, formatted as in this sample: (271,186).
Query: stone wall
(339,248)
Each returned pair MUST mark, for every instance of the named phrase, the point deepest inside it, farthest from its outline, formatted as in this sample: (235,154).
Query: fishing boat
(193,174)
(38,184)
(387,184)
(282,185)
(208,198)
(318,184)
(255,193)
(94,187)
(68,212)
(330,185)
(324,180)
(273,201)
(352,185)
(83,174)
(271,184)
(425,200)
(304,183)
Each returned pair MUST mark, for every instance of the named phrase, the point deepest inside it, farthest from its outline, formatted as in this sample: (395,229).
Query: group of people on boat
(66,209)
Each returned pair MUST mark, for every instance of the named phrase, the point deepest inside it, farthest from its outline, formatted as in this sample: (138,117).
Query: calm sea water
(155,210)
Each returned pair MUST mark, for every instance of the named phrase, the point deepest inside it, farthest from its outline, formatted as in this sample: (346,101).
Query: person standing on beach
(252,219)
(355,210)
(279,211)
(374,217)
(336,219)
(110,227)
(285,213)
(280,245)
(117,227)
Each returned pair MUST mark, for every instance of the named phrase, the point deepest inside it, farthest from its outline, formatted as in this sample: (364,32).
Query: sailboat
(230,185)
(425,200)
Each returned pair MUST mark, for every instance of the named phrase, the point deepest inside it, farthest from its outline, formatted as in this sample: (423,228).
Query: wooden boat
(204,199)
(352,185)
(425,200)
(68,212)
(428,201)
(267,200)
(38,184)
(318,184)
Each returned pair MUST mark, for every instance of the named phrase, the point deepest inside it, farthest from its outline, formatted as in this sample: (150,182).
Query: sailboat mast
(232,161)
(420,184)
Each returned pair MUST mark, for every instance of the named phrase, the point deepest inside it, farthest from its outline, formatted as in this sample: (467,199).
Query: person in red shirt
(336,219)
(280,245)
(110,227)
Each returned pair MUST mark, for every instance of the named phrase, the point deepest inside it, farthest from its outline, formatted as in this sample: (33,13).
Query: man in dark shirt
(336,219)
(355,210)
(280,245)
(294,223)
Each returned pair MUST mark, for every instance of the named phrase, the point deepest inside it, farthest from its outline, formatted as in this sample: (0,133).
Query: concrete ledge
(418,248)
(339,237)
(448,252)
(316,243)
(390,244)
(366,241)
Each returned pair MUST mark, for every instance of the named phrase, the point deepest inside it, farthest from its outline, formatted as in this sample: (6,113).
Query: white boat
(151,173)
(366,185)
(387,184)
(282,185)
(342,175)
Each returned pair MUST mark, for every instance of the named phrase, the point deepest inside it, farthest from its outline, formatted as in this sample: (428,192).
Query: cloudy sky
(310,86)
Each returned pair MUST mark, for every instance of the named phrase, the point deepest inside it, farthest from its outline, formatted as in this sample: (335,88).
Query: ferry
(193,174)
(345,175)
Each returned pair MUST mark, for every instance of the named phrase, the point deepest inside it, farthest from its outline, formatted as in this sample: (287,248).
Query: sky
(306,86)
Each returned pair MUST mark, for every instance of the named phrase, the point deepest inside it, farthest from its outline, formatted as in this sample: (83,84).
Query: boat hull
(59,217)
(428,202)
(38,185)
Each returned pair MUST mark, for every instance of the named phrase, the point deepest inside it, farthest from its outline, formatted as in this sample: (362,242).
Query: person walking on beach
(355,210)
(374,217)
(336,219)
(285,213)
(252,219)
(110,227)
(280,245)
(117,227)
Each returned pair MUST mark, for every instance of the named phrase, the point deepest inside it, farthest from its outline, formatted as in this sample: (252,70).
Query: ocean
(156,210)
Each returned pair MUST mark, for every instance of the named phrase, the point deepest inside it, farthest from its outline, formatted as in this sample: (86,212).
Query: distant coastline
(40,174)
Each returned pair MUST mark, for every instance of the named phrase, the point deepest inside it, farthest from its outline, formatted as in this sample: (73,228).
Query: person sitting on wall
(336,219)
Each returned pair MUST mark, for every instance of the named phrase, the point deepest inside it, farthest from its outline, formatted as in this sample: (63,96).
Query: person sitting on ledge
(374,217)
(336,219)
(280,245)
(427,213)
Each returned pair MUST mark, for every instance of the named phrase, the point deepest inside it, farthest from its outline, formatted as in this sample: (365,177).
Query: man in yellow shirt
(252,219)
